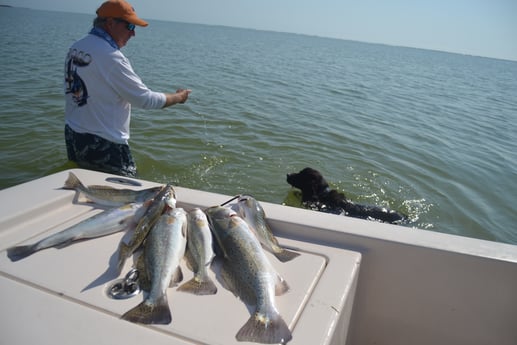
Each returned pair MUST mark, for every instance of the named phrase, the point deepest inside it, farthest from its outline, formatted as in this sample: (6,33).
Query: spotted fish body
(108,196)
(164,248)
(252,212)
(101,224)
(199,254)
(247,272)
(165,198)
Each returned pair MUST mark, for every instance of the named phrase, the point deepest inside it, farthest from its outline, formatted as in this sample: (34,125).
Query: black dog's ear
(314,182)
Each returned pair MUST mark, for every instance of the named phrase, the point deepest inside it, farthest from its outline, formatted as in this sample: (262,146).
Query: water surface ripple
(428,133)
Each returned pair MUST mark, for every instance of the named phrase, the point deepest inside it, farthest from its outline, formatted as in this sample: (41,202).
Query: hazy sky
(476,27)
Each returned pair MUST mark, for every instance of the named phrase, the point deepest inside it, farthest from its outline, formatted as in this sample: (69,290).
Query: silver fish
(249,209)
(166,197)
(101,224)
(247,272)
(163,250)
(199,254)
(108,196)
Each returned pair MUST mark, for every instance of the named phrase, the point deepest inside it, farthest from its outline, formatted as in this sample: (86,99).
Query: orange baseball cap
(120,9)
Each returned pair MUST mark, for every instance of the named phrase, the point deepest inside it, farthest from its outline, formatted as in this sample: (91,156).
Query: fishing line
(227,202)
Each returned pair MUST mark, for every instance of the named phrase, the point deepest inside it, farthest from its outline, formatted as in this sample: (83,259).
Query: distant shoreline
(5,5)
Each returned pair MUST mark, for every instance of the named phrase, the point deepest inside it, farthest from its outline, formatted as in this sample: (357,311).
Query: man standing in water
(101,87)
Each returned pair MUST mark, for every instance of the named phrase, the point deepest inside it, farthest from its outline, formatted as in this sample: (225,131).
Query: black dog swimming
(317,195)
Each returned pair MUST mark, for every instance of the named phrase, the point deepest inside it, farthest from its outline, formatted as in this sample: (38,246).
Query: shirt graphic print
(74,84)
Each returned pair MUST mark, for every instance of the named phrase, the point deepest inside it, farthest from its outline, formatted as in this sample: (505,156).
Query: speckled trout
(199,254)
(165,198)
(163,250)
(247,272)
(249,209)
(101,224)
(108,196)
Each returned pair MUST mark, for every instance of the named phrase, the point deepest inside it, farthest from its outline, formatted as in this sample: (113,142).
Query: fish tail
(147,313)
(20,252)
(73,182)
(281,286)
(177,276)
(285,255)
(199,287)
(261,329)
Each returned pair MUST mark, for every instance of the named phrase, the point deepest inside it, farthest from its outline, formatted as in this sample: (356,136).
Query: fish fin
(73,182)
(218,251)
(226,278)
(123,253)
(66,243)
(177,276)
(199,287)
(261,329)
(20,252)
(229,282)
(150,314)
(281,286)
(143,279)
(189,259)
(285,255)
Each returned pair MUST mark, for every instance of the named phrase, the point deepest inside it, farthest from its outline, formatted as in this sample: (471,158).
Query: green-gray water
(427,133)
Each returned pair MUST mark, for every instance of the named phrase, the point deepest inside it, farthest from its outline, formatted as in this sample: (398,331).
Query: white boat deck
(356,282)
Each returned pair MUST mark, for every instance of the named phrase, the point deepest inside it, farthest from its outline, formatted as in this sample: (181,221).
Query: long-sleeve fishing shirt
(101,87)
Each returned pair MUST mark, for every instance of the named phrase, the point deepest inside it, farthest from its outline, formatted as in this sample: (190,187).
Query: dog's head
(310,182)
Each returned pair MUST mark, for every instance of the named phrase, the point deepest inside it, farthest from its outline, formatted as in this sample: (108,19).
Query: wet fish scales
(249,274)
(108,196)
(101,224)
(163,250)
(155,209)
(199,254)
(252,212)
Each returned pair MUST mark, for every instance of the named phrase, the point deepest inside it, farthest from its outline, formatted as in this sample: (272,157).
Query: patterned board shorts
(92,152)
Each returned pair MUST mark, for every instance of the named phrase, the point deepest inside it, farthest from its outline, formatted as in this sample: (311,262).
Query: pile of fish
(163,235)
